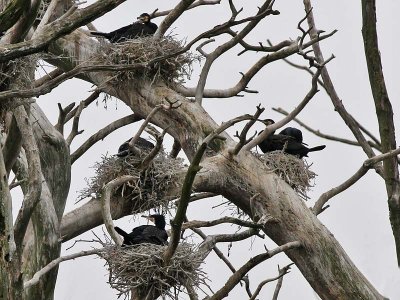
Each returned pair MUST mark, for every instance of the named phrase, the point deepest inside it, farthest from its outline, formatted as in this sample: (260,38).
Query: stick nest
(295,171)
(141,267)
(143,50)
(149,186)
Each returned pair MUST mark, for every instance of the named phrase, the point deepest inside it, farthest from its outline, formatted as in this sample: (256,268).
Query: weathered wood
(322,261)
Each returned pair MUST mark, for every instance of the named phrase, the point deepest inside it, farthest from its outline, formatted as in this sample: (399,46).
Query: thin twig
(36,277)
(102,133)
(105,207)
(367,165)
(75,131)
(254,261)
(282,272)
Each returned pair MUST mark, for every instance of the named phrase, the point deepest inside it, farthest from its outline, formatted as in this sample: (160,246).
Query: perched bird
(294,133)
(146,233)
(141,143)
(290,144)
(143,27)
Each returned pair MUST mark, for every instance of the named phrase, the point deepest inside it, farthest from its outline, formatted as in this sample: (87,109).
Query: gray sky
(358,217)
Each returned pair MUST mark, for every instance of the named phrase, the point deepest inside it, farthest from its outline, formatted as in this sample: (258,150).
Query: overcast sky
(358,217)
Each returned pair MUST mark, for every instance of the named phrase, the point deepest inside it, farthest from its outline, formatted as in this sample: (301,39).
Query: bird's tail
(318,148)
(98,33)
(121,232)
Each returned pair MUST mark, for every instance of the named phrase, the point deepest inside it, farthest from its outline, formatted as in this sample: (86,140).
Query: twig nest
(295,171)
(142,51)
(148,188)
(140,267)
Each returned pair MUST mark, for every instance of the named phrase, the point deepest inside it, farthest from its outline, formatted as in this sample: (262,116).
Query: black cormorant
(141,143)
(143,27)
(146,233)
(294,133)
(290,144)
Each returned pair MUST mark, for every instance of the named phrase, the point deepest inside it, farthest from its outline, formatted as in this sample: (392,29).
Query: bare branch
(47,77)
(35,279)
(243,135)
(32,196)
(176,148)
(159,140)
(87,102)
(75,131)
(102,133)
(288,118)
(254,261)
(105,207)
(282,272)
(57,29)
(172,16)
(246,77)
(337,102)
(264,10)
(211,240)
(62,113)
(176,223)
(7,243)
(323,135)
(197,224)
(135,138)
(219,253)
(367,165)
(384,113)
(197,3)
(280,281)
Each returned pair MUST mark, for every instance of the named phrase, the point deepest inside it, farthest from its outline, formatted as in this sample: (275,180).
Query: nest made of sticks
(149,186)
(17,74)
(295,171)
(140,267)
(143,50)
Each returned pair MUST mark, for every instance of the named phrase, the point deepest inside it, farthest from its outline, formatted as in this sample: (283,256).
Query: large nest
(16,74)
(148,188)
(295,171)
(141,267)
(143,50)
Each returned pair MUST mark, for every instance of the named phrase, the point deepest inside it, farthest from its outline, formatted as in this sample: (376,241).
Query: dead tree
(38,153)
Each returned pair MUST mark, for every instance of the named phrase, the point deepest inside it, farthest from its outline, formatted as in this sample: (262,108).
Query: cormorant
(293,132)
(141,143)
(146,233)
(288,143)
(143,27)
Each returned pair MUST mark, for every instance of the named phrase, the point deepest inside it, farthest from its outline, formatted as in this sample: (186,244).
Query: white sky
(358,217)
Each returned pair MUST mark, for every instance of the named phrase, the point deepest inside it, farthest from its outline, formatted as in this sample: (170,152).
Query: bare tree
(146,75)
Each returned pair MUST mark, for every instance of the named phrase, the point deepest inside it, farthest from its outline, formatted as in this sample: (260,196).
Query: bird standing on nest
(141,143)
(146,233)
(291,142)
(143,27)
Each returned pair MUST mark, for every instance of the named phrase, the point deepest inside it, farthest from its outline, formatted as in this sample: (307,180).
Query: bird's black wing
(125,235)
(154,235)
(141,143)
(293,132)
(274,142)
(138,230)
(120,34)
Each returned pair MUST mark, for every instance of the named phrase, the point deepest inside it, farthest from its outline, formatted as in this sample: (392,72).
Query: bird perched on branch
(294,133)
(146,233)
(141,143)
(143,27)
(291,142)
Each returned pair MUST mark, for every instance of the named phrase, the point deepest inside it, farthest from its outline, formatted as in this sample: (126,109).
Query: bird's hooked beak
(149,218)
